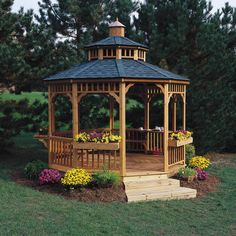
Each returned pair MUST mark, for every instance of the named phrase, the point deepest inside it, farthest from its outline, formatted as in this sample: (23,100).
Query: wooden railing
(96,159)
(144,140)
(176,155)
(155,141)
(60,152)
(63,156)
(136,140)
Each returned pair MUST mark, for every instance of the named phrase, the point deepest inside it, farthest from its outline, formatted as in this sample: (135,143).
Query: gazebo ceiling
(116,41)
(113,68)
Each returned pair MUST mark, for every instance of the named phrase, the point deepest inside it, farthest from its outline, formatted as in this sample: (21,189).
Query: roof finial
(117,29)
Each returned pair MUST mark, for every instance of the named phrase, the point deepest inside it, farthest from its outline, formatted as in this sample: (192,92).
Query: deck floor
(140,163)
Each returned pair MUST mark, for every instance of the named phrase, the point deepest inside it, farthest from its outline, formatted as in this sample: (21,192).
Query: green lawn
(25,211)
(31,96)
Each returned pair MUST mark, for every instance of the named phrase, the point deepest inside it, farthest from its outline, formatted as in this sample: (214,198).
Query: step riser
(163,198)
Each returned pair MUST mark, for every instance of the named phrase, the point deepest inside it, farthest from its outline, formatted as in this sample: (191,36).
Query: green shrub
(186,172)
(33,169)
(106,178)
(189,152)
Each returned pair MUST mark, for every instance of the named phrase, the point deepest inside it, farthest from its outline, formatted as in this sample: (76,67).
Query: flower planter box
(189,179)
(179,143)
(97,146)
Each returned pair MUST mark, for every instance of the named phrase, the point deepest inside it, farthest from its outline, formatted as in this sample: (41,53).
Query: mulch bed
(203,186)
(111,194)
(93,194)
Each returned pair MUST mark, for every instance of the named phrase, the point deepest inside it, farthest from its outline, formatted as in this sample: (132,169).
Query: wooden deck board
(143,164)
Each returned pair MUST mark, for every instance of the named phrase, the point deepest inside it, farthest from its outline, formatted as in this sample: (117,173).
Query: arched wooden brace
(174,99)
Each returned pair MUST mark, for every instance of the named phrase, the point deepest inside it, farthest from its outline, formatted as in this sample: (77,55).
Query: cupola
(116,46)
(116,29)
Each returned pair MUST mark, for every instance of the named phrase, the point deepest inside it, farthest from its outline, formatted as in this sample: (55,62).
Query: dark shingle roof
(112,68)
(116,40)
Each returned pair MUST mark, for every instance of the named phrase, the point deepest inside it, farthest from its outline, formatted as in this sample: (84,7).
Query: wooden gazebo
(116,66)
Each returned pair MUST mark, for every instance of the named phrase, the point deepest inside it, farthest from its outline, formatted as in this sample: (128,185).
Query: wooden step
(144,177)
(154,184)
(168,193)
(155,187)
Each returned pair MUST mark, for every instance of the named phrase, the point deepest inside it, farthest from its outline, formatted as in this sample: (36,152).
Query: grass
(25,211)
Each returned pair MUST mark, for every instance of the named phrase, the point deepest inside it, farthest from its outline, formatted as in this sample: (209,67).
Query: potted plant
(180,138)
(187,173)
(97,141)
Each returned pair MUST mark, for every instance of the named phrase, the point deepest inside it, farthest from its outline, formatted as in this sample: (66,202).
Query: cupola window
(127,53)
(94,53)
(109,53)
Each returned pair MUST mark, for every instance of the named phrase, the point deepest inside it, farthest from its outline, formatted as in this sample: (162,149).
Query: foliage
(189,152)
(186,172)
(76,178)
(201,174)
(199,162)
(49,176)
(181,135)
(17,116)
(33,169)
(106,178)
(96,137)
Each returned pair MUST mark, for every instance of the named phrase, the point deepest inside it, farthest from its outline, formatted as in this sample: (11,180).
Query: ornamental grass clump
(33,169)
(186,172)
(76,178)
(199,162)
(49,176)
(106,178)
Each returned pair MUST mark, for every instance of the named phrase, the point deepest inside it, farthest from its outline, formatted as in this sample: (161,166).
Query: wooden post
(51,113)
(146,111)
(122,130)
(174,105)
(75,120)
(184,111)
(166,126)
(136,54)
(111,107)
(100,54)
(118,53)
(51,124)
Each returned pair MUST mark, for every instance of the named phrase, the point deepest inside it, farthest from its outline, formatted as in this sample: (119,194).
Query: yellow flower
(75,177)
(200,162)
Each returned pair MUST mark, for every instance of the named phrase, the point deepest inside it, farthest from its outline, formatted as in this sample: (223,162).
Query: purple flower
(201,174)
(94,134)
(49,176)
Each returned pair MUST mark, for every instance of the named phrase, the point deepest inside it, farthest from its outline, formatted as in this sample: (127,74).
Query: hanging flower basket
(180,138)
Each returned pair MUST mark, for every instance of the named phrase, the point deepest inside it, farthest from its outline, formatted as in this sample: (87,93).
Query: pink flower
(49,176)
